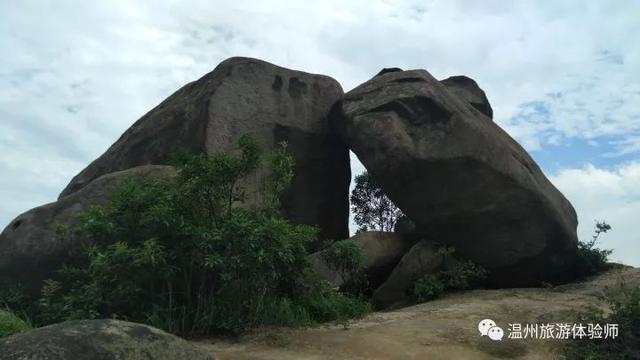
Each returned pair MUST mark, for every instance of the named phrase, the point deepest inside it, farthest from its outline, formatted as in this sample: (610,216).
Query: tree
(372,208)
(590,259)
(179,254)
(601,227)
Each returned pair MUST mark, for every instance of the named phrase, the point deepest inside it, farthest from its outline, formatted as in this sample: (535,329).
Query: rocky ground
(442,329)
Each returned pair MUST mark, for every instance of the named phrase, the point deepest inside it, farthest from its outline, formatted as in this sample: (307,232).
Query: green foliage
(455,276)
(15,310)
(347,259)
(372,208)
(61,230)
(626,313)
(326,304)
(11,324)
(12,298)
(464,276)
(319,305)
(282,173)
(590,260)
(429,287)
(189,255)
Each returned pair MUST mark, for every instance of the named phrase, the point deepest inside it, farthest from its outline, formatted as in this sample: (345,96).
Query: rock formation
(431,145)
(468,90)
(423,258)
(381,252)
(271,104)
(99,340)
(30,249)
(459,176)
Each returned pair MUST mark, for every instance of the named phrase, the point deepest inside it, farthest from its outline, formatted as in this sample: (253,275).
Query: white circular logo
(485,325)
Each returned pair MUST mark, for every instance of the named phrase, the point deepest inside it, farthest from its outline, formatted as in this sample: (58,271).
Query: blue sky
(563,78)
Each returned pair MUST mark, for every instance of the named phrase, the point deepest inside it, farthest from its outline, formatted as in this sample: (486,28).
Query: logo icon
(488,327)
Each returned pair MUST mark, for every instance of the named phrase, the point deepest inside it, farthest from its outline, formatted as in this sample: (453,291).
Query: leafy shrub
(429,287)
(372,208)
(346,258)
(11,324)
(319,305)
(455,276)
(189,255)
(625,313)
(464,276)
(590,260)
(13,298)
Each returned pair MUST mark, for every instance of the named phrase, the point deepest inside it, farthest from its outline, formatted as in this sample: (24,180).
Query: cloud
(609,195)
(625,146)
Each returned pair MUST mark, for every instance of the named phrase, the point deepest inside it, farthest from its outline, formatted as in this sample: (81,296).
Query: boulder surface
(460,177)
(381,252)
(30,248)
(99,340)
(244,96)
(423,258)
(468,90)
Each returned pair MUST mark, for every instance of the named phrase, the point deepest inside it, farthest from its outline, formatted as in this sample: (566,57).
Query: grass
(626,313)
(11,324)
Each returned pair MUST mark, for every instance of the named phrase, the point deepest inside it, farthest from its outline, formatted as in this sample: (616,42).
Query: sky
(563,78)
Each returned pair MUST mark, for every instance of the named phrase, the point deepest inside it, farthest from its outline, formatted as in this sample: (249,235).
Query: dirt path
(441,329)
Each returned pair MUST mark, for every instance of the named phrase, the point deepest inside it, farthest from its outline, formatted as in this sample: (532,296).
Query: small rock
(98,340)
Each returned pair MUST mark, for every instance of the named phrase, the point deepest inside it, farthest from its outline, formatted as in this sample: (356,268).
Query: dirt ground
(446,328)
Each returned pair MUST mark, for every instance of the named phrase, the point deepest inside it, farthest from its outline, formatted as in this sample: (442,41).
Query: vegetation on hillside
(347,259)
(590,259)
(11,323)
(454,275)
(187,254)
(625,313)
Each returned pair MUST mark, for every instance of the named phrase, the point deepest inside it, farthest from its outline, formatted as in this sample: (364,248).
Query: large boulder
(99,340)
(468,90)
(30,248)
(460,177)
(423,258)
(463,87)
(271,104)
(381,252)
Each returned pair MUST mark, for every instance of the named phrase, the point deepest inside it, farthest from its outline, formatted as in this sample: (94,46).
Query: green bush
(13,298)
(189,255)
(429,287)
(344,257)
(625,313)
(347,259)
(320,305)
(464,276)
(455,276)
(11,324)
(590,260)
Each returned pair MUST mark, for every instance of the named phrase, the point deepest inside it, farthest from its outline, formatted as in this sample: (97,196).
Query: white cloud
(628,145)
(610,195)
